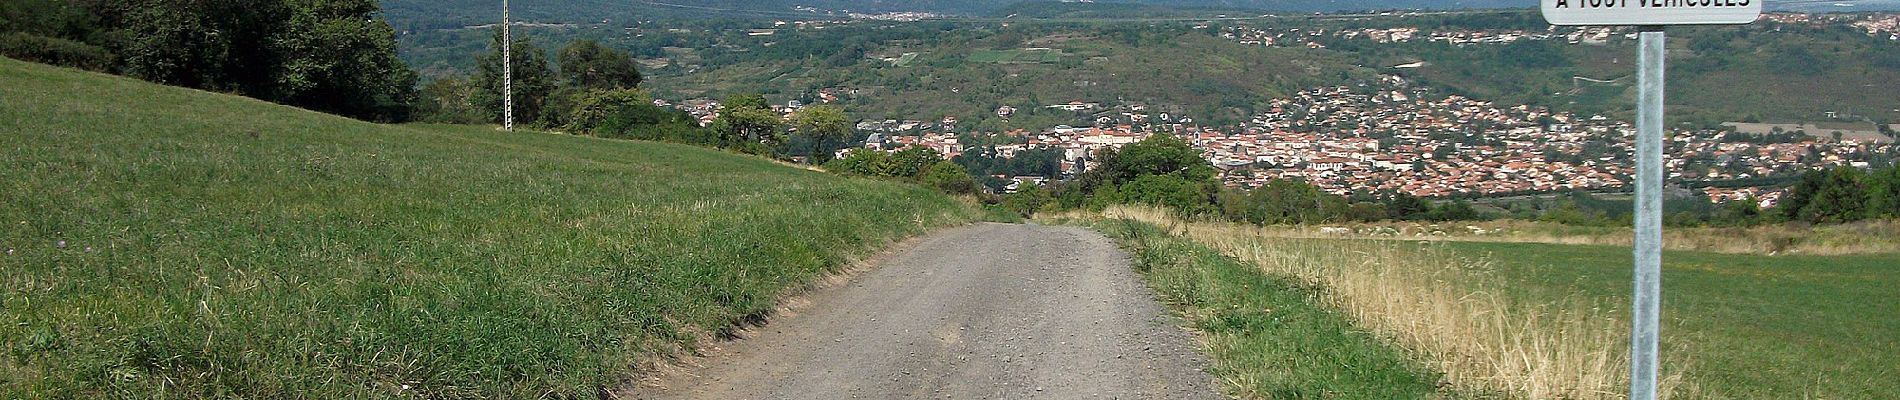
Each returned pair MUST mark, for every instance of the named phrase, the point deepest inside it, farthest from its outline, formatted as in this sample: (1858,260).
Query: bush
(1027,200)
(1169,191)
(861,162)
(912,161)
(950,178)
(55,51)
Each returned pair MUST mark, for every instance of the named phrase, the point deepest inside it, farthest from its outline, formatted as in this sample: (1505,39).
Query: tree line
(334,56)
(1167,172)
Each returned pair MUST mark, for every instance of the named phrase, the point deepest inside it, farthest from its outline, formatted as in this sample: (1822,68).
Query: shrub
(950,178)
(863,162)
(55,51)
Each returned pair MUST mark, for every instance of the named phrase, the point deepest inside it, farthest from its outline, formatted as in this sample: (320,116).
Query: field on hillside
(170,243)
(1544,320)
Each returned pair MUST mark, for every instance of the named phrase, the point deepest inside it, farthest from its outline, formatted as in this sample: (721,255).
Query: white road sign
(1651,12)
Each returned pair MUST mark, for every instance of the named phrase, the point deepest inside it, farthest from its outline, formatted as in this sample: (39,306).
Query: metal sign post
(1651,15)
(1646,312)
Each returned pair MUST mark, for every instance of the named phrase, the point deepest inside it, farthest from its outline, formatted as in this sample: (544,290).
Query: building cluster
(1390,137)
(1393,138)
(1880,25)
(1316,38)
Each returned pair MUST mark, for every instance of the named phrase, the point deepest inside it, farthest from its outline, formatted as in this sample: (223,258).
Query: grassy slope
(216,246)
(1749,326)
(1270,336)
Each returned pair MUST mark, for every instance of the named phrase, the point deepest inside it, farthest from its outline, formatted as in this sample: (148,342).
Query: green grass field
(170,243)
(1746,326)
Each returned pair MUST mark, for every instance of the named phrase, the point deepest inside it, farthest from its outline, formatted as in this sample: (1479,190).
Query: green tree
(1028,199)
(949,178)
(221,45)
(913,161)
(1404,207)
(1841,197)
(1884,193)
(745,121)
(825,126)
(338,58)
(863,162)
(448,100)
(589,65)
(533,81)
(1455,211)
(1189,198)
(595,109)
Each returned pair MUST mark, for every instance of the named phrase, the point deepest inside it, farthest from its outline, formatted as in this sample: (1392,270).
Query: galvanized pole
(507,72)
(1645,314)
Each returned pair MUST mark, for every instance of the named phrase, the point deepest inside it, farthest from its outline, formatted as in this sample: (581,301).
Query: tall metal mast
(507,72)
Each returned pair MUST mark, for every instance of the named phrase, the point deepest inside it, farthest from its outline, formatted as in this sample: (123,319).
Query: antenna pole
(507,72)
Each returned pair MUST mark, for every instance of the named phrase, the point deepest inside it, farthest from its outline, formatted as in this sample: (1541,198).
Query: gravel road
(988,311)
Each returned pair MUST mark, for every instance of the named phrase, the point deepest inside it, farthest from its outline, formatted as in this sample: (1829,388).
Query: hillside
(164,242)
(968,69)
(451,13)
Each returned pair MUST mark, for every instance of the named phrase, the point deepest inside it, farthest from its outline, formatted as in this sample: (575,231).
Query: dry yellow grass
(1447,309)
(1872,237)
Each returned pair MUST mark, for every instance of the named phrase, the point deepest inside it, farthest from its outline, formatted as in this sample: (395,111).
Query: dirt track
(982,312)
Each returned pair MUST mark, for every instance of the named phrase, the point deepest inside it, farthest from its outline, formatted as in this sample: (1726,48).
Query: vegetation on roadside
(163,242)
(1543,320)
(1270,337)
(1449,312)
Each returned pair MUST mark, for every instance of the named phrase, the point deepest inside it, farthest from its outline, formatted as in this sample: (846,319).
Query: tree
(1884,198)
(1404,207)
(949,178)
(863,162)
(913,161)
(589,65)
(338,58)
(824,125)
(1841,197)
(1456,211)
(533,81)
(745,120)
(1028,199)
(1189,198)
(448,101)
(218,45)
(593,110)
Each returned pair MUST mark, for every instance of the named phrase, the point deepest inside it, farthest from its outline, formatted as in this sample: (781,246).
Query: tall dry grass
(1451,311)
(1869,237)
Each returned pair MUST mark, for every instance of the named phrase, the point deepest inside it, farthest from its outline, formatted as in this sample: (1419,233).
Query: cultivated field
(1867,132)
(1540,320)
(1020,56)
(171,243)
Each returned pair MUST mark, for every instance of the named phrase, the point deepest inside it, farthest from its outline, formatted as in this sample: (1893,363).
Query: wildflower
(9,252)
(61,244)
(88,249)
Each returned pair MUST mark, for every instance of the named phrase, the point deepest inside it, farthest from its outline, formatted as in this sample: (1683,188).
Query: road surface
(989,311)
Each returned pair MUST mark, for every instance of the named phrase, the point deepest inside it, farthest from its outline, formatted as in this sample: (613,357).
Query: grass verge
(1542,320)
(1449,311)
(171,243)
(1269,336)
